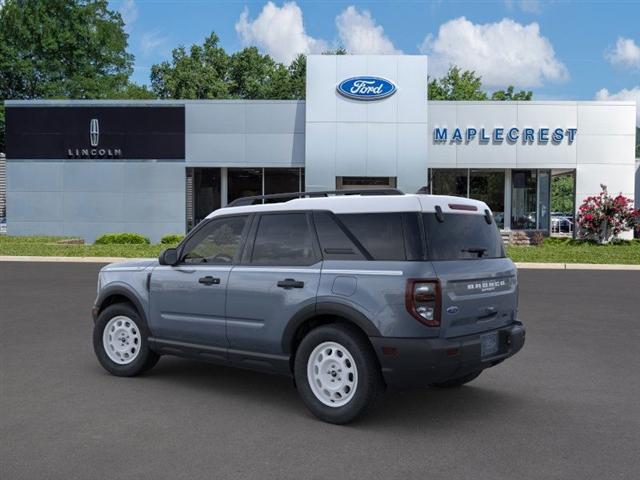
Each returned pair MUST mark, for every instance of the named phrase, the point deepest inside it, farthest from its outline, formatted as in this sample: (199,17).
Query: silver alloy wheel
(332,374)
(121,340)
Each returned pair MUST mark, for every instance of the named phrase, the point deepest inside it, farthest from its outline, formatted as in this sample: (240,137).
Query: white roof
(364,204)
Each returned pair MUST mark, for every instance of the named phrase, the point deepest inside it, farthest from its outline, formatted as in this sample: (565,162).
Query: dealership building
(84,168)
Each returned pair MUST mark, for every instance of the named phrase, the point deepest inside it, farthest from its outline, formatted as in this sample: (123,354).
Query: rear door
(278,276)
(478,282)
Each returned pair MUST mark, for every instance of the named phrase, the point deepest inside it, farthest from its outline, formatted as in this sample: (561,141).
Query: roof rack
(285,197)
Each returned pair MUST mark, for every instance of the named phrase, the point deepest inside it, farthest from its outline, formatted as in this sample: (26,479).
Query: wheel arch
(322,314)
(114,294)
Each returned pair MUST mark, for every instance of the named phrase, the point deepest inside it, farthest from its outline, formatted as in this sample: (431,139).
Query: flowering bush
(604,217)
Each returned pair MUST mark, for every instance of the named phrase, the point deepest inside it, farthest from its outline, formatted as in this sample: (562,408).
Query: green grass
(551,251)
(573,251)
(47,246)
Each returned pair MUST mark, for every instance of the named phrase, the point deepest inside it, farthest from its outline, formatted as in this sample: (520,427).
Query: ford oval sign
(366,88)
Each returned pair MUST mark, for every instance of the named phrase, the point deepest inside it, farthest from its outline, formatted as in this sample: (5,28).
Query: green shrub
(122,239)
(171,239)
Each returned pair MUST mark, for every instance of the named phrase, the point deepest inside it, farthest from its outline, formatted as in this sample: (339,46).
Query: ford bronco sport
(348,294)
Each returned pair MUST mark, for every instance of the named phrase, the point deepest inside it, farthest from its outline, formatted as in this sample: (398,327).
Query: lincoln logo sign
(94,151)
(94,132)
(510,135)
(366,88)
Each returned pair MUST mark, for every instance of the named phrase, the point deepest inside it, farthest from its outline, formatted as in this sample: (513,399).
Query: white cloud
(151,41)
(359,33)
(632,94)
(529,6)
(278,31)
(129,12)
(626,53)
(504,53)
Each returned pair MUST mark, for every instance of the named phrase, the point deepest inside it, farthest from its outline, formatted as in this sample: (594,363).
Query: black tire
(145,358)
(459,381)
(369,378)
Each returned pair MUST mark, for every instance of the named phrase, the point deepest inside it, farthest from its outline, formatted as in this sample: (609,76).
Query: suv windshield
(462,236)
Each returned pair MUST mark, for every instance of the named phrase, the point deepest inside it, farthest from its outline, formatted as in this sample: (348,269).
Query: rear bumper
(416,362)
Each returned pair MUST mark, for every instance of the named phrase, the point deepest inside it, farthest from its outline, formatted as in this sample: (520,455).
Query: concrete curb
(523,266)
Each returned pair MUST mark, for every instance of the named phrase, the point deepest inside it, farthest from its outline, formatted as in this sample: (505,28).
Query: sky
(561,50)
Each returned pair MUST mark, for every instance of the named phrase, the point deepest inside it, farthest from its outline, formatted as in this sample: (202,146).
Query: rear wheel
(120,341)
(337,374)
(459,381)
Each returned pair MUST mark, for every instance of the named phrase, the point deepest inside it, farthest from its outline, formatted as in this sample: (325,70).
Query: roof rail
(285,197)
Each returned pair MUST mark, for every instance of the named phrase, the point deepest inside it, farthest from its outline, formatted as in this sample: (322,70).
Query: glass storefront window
(488,187)
(206,192)
(243,182)
(281,180)
(524,185)
(449,181)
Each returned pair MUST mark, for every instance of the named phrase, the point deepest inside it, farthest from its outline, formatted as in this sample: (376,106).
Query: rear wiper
(479,251)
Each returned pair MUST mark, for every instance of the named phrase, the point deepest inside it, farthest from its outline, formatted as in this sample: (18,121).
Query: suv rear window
(462,236)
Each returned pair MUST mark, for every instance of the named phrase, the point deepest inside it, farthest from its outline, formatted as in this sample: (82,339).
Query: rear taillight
(422,299)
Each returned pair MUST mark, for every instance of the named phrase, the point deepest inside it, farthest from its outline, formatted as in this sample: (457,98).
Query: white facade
(602,151)
(354,138)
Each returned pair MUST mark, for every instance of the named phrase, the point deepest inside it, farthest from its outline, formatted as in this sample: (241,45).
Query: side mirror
(168,257)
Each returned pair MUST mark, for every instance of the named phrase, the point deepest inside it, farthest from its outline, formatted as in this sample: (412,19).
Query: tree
(457,85)
(337,51)
(134,91)
(256,76)
(199,74)
(298,74)
(510,95)
(604,217)
(208,72)
(61,49)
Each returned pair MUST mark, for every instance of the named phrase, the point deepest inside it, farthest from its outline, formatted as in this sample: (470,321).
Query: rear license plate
(489,344)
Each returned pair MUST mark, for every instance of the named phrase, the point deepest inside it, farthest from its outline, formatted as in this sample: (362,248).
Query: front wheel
(337,374)
(120,341)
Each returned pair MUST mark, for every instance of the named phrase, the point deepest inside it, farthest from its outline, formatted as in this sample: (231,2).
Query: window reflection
(523,199)
(488,187)
(449,181)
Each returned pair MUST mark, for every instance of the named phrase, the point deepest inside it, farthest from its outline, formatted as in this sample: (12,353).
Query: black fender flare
(349,313)
(121,290)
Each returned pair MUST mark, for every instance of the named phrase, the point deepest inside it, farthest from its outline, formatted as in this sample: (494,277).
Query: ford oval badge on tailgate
(366,88)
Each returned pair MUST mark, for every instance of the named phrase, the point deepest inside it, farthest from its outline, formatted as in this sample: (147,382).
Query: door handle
(209,280)
(290,283)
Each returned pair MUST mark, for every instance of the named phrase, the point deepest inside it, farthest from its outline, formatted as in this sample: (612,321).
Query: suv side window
(217,243)
(283,239)
(334,241)
(381,234)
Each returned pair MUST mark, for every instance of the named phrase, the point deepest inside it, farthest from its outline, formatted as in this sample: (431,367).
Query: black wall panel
(51,132)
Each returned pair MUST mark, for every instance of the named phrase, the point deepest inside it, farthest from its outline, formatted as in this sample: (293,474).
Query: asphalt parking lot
(568,406)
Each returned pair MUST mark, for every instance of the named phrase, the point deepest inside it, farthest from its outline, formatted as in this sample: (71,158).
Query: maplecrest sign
(512,135)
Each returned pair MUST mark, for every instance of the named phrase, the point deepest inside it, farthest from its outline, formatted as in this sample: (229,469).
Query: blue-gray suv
(348,294)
